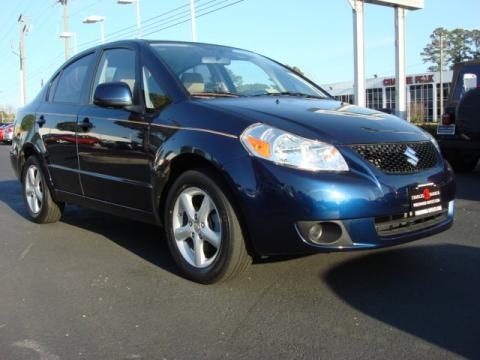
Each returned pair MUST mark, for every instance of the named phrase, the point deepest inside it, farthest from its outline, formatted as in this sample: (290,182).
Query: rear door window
(72,81)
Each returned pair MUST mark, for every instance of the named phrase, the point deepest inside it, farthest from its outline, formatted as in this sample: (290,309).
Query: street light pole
(137,5)
(70,35)
(102,32)
(21,48)
(441,75)
(194,24)
(400,74)
(139,31)
(92,19)
(359,51)
(65,27)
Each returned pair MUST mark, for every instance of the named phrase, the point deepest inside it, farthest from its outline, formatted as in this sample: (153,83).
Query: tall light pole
(23,28)
(359,51)
(194,23)
(69,35)
(92,19)
(65,27)
(441,75)
(137,3)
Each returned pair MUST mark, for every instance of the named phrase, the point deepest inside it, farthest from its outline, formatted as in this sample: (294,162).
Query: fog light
(315,233)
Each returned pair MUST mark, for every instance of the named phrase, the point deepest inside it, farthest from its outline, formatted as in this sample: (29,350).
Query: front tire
(202,228)
(39,203)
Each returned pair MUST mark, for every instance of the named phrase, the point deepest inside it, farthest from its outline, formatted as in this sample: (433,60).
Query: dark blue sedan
(233,154)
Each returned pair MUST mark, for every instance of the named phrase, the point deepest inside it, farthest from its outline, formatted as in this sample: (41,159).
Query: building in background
(423,94)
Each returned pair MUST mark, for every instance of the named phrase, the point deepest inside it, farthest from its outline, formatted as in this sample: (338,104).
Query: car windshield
(217,71)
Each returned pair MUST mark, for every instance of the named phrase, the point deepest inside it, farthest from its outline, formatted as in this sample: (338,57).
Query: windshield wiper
(216,94)
(291,93)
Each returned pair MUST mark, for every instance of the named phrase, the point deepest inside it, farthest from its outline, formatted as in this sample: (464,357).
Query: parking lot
(94,286)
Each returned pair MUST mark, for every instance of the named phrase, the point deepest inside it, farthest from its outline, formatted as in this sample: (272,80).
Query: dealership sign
(419,79)
(407,4)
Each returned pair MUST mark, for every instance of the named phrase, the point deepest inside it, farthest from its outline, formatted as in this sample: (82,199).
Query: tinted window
(155,97)
(117,65)
(211,69)
(72,80)
(51,90)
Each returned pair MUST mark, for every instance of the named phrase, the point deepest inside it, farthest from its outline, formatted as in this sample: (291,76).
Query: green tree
(458,45)
(475,44)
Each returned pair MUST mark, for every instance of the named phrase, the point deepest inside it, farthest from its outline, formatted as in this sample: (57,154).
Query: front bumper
(274,200)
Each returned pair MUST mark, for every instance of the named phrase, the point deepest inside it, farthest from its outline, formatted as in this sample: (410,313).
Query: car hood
(325,120)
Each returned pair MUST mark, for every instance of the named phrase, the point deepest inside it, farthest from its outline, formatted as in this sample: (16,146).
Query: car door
(57,121)
(112,142)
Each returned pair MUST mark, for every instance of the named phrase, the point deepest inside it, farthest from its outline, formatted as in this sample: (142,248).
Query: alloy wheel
(197,227)
(34,189)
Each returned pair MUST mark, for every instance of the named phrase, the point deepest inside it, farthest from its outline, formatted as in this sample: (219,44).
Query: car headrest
(193,82)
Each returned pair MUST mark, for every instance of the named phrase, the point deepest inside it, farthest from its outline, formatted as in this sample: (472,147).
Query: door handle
(86,124)
(41,120)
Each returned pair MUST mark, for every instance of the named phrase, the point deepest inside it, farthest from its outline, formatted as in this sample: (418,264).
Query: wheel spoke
(31,176)
(37,204)
(198,249)
(205,209)
(31,201)
(36,181)
(182,233)
(187,205)
(38,192)
(211,236)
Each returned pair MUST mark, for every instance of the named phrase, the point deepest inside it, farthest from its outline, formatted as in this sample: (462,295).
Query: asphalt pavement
(95,286)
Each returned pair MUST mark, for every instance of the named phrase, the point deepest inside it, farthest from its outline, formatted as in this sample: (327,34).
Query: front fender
(205,148)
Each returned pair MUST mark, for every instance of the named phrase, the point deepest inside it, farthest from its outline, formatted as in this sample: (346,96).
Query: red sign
(420,79)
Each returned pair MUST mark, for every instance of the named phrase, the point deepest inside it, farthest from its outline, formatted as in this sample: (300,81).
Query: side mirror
(113,94)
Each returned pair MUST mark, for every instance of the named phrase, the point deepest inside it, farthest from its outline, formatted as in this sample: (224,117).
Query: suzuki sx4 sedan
(233,154)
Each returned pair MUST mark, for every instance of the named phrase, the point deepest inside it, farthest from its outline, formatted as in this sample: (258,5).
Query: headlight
(287,149)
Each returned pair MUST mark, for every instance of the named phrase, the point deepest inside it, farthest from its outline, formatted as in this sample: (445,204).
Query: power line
(200,15)
(127,29)
(157,24)
(157,21)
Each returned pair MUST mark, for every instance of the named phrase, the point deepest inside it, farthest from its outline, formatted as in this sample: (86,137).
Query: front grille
(391,158)
(402,224)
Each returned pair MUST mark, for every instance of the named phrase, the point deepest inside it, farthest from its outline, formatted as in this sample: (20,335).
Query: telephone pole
(21,47)
(441,75)
(65,27)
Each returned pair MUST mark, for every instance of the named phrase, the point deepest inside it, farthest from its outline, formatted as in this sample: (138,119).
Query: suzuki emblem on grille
(411,155)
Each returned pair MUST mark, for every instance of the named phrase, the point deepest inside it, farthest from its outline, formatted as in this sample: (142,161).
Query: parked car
(6,133)
(459,132)
(232,153)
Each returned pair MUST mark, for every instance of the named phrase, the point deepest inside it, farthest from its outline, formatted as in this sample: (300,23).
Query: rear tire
(202,228)
(39,203)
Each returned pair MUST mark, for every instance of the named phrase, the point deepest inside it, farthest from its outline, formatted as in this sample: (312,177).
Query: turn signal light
(261,147)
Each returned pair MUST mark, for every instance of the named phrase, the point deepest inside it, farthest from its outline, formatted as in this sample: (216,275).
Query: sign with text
(419,79)
(407,4)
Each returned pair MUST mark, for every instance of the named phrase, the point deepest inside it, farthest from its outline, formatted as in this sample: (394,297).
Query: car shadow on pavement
(467,185)
(144,240)
(432,292)
(11,195)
